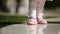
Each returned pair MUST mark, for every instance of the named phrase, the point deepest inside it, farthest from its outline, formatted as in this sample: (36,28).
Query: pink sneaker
(32,21)
(41,21)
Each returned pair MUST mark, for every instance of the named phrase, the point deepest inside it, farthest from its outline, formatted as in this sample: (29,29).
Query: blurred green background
(50,6)
(51,10)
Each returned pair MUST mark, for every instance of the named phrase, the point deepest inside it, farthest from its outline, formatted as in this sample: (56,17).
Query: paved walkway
(31,29)
(55,16)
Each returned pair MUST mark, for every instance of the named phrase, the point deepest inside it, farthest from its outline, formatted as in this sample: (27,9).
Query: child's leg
(40,7)
(32,12)
(32,8)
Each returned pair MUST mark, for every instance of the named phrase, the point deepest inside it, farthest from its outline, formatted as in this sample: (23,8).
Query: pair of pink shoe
(33,21)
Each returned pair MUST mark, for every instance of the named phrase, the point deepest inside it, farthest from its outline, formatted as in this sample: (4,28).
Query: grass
(8,20)
(50,9)
(5,18)
(47,17)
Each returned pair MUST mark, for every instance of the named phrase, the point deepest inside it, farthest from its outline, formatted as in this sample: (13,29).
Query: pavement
(55,16)
(31,29)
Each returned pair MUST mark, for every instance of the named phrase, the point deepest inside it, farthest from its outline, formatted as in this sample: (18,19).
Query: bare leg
(32,8)
(32,12)
(40,7)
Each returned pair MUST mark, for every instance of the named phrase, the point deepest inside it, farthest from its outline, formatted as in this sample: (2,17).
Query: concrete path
(55,16)
(31,29)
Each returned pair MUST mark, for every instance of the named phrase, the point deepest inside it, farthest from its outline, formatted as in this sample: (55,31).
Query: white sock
(40,15)
(32,14)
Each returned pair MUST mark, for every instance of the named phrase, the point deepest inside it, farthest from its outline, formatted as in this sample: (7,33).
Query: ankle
(40,15)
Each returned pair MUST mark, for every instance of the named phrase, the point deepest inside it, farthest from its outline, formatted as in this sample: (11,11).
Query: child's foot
(41,21)
(32,21)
